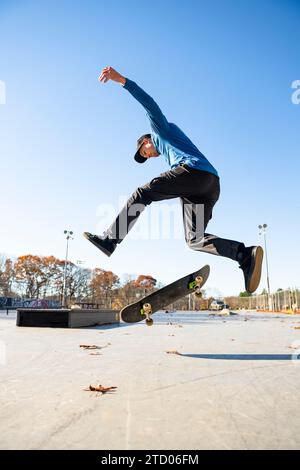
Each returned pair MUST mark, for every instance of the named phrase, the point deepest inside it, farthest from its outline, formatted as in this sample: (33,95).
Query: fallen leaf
(99,388)
(93,346)
(174,352)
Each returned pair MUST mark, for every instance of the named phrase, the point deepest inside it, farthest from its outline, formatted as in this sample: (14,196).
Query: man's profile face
(148,150)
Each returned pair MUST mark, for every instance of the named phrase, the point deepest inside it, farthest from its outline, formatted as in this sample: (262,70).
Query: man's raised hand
(108,73)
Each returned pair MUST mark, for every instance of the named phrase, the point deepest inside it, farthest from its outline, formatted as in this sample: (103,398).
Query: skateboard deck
(145,307)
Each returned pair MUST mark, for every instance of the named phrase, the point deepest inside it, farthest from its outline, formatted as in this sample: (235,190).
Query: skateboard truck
(147,310)
(195,285)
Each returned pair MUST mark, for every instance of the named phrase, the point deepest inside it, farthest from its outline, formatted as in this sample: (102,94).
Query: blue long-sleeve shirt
(169,140)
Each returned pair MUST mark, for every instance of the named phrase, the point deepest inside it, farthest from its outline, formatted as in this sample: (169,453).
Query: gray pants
(198,192)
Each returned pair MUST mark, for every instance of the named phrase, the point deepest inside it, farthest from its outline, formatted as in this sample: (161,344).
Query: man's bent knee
(195,243)
(141,196)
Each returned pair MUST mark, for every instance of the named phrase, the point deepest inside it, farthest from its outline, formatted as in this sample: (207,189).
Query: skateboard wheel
(147,309)
(199,280)
(149,321)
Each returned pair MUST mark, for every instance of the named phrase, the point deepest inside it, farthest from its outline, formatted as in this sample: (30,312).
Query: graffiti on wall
(12,302)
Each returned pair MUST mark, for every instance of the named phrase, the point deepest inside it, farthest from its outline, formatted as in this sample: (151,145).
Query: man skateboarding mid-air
(191,178)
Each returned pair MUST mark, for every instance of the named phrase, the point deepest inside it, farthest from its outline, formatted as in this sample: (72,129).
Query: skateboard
(145,307)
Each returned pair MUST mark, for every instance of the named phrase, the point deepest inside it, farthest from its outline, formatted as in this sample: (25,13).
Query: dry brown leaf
(93,346)
(99,388)
(174,352)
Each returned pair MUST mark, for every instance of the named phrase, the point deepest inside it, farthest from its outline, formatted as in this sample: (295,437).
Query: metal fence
(284,300)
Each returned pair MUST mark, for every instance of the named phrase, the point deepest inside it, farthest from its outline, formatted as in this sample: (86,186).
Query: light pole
(68,234)
(262,231)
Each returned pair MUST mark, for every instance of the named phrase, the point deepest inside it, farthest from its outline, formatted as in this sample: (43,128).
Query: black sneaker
(251,263)
(105,244)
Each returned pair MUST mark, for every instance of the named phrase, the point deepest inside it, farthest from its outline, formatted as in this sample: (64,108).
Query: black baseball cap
(138,157)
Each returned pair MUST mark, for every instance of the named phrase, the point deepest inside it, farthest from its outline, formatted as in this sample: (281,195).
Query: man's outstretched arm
(157,119)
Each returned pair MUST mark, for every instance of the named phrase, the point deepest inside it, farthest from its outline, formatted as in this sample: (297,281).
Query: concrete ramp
(65,318)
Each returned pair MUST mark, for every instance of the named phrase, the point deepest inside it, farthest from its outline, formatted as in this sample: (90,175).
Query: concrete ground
(235,385)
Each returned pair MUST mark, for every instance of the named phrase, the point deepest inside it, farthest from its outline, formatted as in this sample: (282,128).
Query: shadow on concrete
(243,357)
(109,326)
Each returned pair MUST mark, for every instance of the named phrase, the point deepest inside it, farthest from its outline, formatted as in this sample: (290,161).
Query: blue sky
(222,71)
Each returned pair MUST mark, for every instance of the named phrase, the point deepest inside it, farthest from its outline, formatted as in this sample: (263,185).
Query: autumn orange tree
(145,282)
(132,289)
(103,286)
(36,274)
